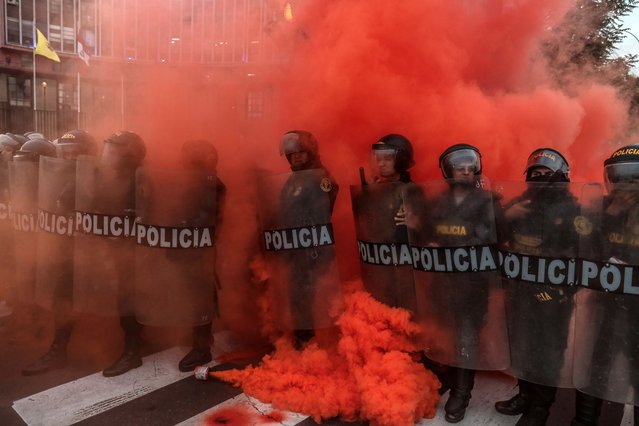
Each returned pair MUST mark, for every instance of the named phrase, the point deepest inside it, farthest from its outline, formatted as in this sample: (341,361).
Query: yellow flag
(43,48)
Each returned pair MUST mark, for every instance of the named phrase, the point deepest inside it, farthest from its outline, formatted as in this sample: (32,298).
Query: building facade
(122,37)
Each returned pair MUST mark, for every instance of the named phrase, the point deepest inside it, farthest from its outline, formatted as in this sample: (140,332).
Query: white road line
(246,404)
(628,416)
(95,394)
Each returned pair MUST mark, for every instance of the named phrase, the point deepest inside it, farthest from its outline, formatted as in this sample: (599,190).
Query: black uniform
(616,333)
(546,230)
(469,222)
(375,210)
(302,202)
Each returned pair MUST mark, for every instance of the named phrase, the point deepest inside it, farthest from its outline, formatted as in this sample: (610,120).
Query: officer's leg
(56,357)
(587,410)
(130,358)
(201,352)
(518,404)
(460,394)
(541,398)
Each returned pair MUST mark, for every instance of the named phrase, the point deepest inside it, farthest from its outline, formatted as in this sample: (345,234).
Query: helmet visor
(464,160)
(68,151)
(621,175)
(383,162)
(26,156)
(291,144)
(114,154)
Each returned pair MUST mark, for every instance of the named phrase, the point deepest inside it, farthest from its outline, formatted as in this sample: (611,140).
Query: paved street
(158,394)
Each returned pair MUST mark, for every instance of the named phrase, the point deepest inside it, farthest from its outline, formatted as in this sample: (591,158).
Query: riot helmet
(547,165)
(397,146)
(34,135)
(32,149)
(75,143)
(622,168)
(9,144)
(301,149)
(123,149)
(460,158)
(199,155)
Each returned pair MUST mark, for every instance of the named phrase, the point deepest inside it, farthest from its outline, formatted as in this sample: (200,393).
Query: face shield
(68,151)
(114,155)
(383,162)
(622,176)
(26,156)
(461,164)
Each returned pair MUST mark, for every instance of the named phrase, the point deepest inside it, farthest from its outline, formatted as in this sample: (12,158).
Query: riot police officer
(541,222)
(69,146)
(381,218)
(615,314)
(124,152)
(9,144)
(463,215)
(301,203)
(200,156)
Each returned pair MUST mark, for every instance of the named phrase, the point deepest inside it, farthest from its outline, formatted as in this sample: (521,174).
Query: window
(67,96)
(19,91)
(255,105)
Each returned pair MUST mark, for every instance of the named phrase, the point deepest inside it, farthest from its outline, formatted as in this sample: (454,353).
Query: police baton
(362,177)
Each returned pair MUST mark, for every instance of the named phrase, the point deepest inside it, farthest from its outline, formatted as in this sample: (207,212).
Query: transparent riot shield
(23,185)
(56,209)
(453,238)
(297,237)
(175,252)
(104,239)
(607,338)
(7,249)
(382,242)
(544,226)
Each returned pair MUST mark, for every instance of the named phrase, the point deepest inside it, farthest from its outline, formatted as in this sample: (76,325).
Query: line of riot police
(112,237)
(444,250)
(533,278)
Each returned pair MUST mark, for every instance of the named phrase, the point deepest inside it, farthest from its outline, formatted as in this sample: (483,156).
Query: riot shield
(23,185)
(607,339)
(56,209)
(382,242)
(104,239)
(453,238)
(298,241)
(7,249)
(175,252)
(544,225)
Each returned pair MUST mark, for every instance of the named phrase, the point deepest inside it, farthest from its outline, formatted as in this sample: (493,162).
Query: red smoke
(242,417)
(438,71)
(369,376)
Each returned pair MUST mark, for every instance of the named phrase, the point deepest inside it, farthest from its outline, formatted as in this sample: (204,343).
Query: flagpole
(122,99)
(34,85)
(79,100)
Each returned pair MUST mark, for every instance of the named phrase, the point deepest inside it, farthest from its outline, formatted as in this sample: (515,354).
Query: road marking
(246,404)
(82,398)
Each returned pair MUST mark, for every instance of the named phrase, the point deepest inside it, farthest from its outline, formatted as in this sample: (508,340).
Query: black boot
(516,405)
(301,338)
(455,407)
(56,357)
(587,410)
(442,372)
(636,415)
(541,398)
(130,358)
(201,352)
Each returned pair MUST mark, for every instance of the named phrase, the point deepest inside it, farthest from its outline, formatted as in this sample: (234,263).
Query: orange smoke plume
(369,376)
